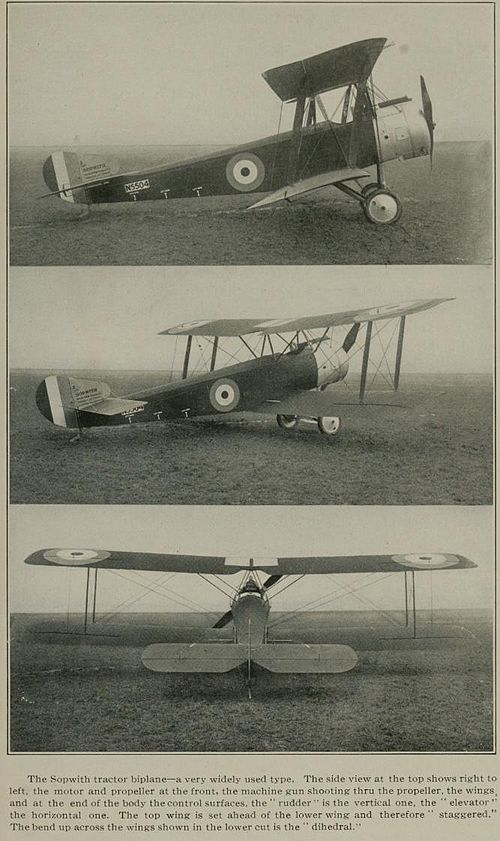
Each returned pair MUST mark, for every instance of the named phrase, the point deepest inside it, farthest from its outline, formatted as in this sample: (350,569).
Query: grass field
(70,693)
(437,452)
(446,219)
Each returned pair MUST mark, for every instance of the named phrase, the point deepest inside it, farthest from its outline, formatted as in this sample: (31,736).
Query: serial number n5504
(135,186)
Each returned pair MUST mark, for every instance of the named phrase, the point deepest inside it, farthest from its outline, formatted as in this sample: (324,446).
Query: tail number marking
(135,186)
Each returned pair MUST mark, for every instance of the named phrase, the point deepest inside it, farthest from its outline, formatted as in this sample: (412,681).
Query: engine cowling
(403,132)
(333,369)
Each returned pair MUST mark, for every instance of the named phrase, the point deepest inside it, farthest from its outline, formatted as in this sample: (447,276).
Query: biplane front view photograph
(277,388)
(192,630)
(200,135)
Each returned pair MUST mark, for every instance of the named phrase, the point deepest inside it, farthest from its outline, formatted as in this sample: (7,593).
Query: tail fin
(66,175)
(60,397)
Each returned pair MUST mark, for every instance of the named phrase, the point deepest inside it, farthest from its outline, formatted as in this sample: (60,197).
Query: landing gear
(329,426)
(381,207)
(287,421)
(326,425)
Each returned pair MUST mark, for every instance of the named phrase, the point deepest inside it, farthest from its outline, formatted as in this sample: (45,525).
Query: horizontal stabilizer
(306,185)
(115,406)
(289,658)
(193,657)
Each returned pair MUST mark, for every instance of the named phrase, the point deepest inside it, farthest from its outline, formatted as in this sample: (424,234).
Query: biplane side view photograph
(370,130)
(250,410)
(236,629)
(352,138)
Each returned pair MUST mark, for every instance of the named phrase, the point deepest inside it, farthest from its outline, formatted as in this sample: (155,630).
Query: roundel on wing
(430,561)
(245,172)
(75,557)
(224,395)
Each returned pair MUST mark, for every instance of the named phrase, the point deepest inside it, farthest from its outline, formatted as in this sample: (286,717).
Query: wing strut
(410,602)
(296,138)
(399,351)
(185,367)
(214,353)
(366,357)
(90,598)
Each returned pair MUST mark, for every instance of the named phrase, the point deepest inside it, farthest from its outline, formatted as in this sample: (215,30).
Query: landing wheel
(329,426)
(287,421)
(382,207)
(369,188)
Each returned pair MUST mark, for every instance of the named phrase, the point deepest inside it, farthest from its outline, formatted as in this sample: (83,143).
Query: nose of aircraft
(333,369)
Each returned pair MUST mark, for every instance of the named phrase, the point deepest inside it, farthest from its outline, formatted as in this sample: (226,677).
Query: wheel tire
(369,188)
(382,207)
(329,425)
(287,421)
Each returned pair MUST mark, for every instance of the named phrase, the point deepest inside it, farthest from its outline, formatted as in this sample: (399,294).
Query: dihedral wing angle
(252,639)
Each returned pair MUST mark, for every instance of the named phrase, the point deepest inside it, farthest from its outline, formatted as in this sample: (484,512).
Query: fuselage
(237,388)
(400,131)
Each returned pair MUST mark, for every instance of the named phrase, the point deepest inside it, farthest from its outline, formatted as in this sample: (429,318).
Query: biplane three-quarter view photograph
(279,388)
(351,140)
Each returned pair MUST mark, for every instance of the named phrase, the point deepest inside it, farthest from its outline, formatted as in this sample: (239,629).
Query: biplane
(249,609)
(319,151)
(293,381)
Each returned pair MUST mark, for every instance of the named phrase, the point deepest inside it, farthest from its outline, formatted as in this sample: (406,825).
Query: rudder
(60,397)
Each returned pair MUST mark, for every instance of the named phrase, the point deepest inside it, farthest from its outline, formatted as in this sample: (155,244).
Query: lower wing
(306,185)
(326,404)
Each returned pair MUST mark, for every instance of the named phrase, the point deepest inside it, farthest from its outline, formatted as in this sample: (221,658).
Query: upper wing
(103,559)
(323,72)
(242,326)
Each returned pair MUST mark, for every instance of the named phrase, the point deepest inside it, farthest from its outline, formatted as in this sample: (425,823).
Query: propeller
(226,618)
(351,337)
(427,112)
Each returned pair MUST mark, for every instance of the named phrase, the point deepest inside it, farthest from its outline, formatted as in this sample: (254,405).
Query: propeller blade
(427,112)
(351,337)
(224,620)
(271,581)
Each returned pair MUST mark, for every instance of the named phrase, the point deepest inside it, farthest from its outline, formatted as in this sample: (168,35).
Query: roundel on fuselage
(224,395)
(245,172)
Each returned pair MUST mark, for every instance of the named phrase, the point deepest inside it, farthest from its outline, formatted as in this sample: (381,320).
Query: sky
(250,531)
(109,318)
(190,73)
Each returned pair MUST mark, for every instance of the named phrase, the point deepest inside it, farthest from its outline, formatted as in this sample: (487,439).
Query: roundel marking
(75,557)
(224,395)
(430,561)
(245,172)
